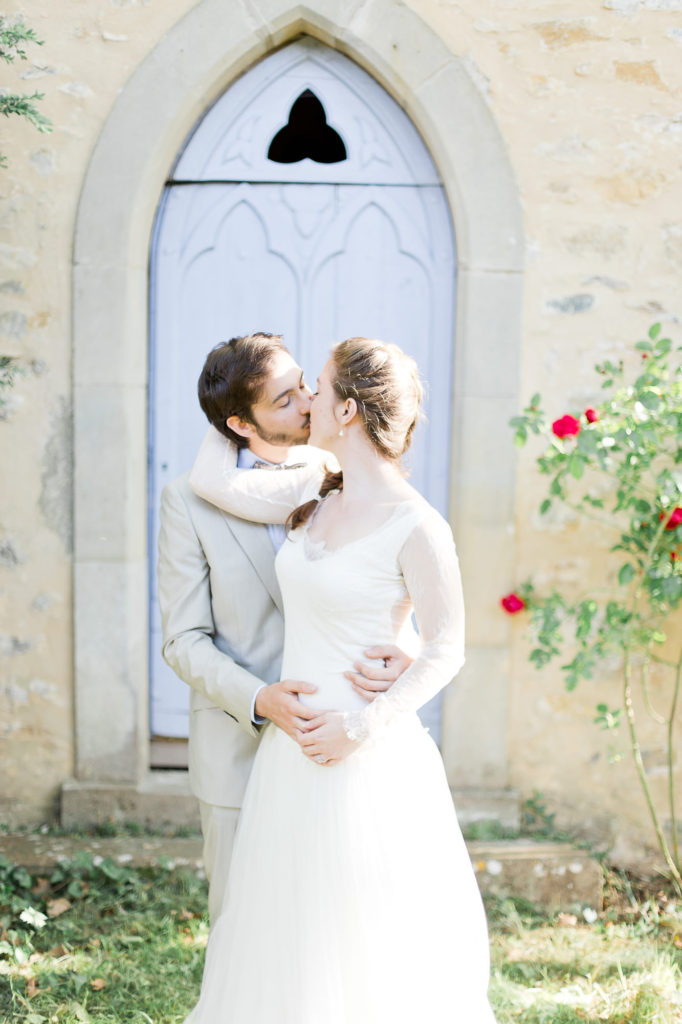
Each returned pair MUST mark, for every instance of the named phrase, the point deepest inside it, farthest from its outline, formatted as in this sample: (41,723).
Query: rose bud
(591,415)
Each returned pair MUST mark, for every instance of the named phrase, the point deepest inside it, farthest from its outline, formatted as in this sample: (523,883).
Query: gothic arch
(189,68)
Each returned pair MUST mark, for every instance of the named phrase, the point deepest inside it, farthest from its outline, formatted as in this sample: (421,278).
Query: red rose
(591,415)
(675,519)
(512,603)
(566,426)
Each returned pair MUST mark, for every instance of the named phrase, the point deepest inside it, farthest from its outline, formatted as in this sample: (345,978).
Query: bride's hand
(325,741)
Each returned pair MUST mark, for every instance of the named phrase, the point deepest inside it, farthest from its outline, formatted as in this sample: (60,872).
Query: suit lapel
(255,541)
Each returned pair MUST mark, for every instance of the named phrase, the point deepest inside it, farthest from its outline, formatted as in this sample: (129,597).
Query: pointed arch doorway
(304,203)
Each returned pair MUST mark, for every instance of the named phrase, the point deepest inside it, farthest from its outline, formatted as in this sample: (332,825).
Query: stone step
(554,876)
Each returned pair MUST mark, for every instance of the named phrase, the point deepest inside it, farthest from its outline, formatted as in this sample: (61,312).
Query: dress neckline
(316,549)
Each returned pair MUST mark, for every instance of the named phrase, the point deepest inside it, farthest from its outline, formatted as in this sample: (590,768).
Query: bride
(351,897)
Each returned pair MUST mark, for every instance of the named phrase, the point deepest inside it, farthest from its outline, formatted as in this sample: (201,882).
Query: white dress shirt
(277,534)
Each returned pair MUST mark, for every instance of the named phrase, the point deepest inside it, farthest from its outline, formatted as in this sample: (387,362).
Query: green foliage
(10,369)
(130,949)
(98,942)
(622,467)
(13,34)
(536,820)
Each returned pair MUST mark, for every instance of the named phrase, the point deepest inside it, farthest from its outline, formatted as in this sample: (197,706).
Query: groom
(220,603)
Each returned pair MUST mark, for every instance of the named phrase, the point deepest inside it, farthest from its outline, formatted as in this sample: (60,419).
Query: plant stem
(659,719)
(632,728)
(671,760)
(641,772)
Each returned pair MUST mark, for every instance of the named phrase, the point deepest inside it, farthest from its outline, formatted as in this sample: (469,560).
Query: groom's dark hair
(232,379)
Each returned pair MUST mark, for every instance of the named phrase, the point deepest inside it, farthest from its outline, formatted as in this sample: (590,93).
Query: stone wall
(588,98)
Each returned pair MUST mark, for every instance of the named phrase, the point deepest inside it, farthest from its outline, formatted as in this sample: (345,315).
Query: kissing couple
(347,895)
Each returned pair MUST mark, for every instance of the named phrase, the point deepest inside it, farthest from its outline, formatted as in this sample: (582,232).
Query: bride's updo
(385,384)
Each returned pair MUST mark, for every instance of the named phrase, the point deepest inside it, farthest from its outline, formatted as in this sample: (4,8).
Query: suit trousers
(218,826)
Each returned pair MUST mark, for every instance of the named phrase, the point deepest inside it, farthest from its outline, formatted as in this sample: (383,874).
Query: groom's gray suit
(223,630)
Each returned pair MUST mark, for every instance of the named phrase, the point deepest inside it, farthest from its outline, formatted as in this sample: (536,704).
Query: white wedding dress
(351,897)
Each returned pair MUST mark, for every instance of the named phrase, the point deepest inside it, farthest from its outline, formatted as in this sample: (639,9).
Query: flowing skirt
(351,897)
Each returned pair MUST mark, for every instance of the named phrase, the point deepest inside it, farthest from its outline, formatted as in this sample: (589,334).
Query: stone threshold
(554,876)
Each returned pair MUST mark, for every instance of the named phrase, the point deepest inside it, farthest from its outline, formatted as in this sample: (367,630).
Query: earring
(341,432)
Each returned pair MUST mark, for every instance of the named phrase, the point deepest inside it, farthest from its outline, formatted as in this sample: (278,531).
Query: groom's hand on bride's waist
(371,678)
(279,703)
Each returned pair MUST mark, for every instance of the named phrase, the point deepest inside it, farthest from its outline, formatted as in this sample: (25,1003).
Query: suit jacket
(223,631)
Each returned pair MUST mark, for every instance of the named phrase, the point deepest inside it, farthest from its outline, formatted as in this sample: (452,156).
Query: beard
(284,439)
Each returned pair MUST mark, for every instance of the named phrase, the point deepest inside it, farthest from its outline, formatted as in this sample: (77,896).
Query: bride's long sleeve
(262,497)
(430,568)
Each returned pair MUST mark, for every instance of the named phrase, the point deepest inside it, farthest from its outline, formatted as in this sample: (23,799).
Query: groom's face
(281,416)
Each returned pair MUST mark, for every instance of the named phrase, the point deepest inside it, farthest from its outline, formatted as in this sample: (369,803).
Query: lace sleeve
(262,496)
(430,568)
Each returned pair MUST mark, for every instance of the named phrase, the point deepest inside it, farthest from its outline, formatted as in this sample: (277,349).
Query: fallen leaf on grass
(566,920)
(186,915)
(32,987)
(58,951)
(41,887)
(57,907)
(98,983)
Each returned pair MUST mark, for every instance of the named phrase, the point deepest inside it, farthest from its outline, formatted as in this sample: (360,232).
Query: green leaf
(654,331)
(650,399)
(545,507)
(576,465)
(671,588)
(644,346)
(626,574)
(588,442)
(520,437)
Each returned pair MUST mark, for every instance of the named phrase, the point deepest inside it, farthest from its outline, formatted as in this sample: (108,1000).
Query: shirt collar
(246,459)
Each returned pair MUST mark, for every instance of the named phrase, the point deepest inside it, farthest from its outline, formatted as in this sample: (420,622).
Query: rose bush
(631,443)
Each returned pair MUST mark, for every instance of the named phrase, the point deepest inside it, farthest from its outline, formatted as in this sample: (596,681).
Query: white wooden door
(317,251)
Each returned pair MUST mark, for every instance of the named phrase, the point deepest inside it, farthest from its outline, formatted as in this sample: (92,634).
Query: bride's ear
(239,426)
(349,412)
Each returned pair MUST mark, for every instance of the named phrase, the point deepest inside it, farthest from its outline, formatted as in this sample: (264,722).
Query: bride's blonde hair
(384,382)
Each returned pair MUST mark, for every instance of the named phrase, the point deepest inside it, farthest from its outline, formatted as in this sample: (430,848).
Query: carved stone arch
(188,69)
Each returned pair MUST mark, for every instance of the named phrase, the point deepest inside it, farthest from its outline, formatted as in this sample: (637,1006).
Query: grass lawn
(99,942)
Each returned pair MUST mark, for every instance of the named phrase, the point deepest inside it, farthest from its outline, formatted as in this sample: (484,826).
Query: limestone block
(160,799)
(555,876)
(110,337)
(325,19)
(476,168)
(474,741)
(400,41)
(111,480)
(110,601)
(489,317)
(483,492)
(474,806)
